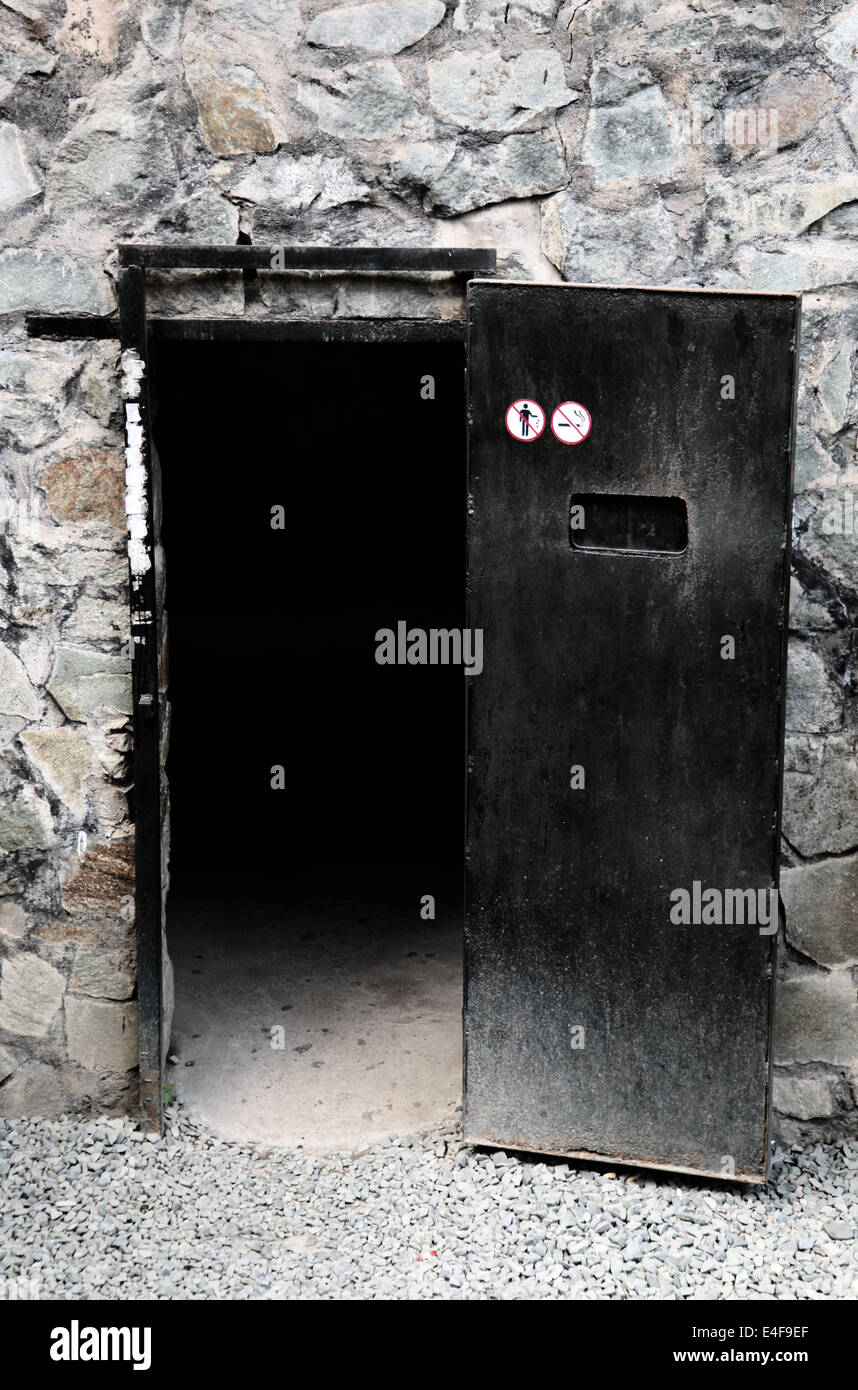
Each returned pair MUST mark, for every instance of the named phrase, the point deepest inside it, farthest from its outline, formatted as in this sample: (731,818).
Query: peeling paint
(136,503)
(133,371)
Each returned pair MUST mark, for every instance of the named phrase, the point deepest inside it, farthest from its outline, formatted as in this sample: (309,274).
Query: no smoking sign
(571,422)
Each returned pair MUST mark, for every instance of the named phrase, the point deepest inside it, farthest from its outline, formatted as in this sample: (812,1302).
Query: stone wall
(706,143)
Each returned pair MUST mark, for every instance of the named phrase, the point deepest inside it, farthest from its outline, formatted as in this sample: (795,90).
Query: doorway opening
(315,910)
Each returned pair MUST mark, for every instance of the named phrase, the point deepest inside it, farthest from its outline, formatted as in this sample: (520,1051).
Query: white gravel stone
(100,1210)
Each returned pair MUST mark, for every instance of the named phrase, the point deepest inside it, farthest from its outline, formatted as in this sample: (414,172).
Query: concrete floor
(369,1003)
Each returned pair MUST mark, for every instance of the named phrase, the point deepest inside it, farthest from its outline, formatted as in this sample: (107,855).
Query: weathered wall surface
(705,143)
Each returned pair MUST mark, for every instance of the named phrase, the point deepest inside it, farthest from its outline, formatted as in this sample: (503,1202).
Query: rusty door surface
(630,479)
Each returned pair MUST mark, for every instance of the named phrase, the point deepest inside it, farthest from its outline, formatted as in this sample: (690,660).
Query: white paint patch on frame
(136,505)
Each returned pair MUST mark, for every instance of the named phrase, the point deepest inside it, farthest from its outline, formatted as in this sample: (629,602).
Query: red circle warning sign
(571,422)
(525,420)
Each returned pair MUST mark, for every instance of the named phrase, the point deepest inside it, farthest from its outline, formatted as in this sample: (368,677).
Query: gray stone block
(13,920)
(48,282)
(116,159)
(420,162)
(207,217)
(41,370)
(31,992)
(383,26)
(831,538)
(521,166)
(611,83)
(35,1089)
(17,696)
(96,622)
(84,682)
(64,759)
(633,140)
(104,974)
(840,40)
(101,1036)
(812,461)
(805,614)
(18,182)
(291,185)
(487,92)
(7,1064)
(809,266)
(803,1097)
(821,902)
(814,703)
(25,823)
(834,383)
(21,59)
(594,245)
(366,101)
(487,16)
(816,1020)
(821,795)
(275,21)
(195,293)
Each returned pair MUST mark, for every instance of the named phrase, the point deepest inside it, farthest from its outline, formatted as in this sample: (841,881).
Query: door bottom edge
(611,1160)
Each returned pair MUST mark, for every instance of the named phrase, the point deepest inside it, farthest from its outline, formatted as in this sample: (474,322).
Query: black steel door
(630,479)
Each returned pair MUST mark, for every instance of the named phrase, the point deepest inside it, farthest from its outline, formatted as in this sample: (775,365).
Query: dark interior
(272,632)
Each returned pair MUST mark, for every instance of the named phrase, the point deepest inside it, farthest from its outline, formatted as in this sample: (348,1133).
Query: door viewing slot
(643,525)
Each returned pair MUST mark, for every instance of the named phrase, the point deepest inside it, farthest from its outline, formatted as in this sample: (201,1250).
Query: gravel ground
(96,1209)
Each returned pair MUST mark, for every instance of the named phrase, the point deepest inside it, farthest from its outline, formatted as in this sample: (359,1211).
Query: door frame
(138,333)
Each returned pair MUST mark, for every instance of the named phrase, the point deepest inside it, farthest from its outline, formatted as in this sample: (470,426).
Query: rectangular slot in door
(616,521)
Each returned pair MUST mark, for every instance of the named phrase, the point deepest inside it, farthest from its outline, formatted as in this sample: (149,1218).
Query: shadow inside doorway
(318,1001)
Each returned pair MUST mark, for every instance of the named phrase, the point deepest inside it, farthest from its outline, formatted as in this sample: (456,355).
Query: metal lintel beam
(365,260)
(366,330)
(310,330)
(71,326)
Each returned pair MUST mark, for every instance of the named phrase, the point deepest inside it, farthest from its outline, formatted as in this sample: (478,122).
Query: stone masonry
(707,143)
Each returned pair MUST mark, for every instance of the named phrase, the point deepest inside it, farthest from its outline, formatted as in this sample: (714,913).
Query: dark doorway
(273,664)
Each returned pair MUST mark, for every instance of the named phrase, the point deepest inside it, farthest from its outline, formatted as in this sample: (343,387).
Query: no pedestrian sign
(525,420)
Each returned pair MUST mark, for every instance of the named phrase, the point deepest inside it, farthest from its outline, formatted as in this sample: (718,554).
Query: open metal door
(630,464)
